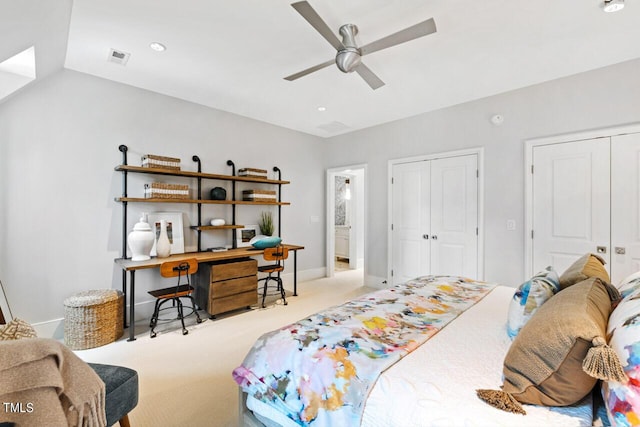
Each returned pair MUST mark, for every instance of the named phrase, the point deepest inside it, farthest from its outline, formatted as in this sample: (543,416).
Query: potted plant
(266,223)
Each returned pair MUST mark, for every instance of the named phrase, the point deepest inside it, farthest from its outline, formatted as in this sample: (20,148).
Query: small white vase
(141,240)
(163,246)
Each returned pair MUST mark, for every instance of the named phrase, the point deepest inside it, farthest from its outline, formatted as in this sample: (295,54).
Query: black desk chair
(277,254)
(174,294)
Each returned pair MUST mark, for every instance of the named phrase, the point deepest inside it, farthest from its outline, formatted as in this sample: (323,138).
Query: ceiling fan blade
(415,31)
(312,17)
(310,70)
(369,77)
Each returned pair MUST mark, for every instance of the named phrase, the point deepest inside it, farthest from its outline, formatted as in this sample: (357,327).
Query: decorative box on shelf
(252,172)
(159,190)
(259,195)
(161,162)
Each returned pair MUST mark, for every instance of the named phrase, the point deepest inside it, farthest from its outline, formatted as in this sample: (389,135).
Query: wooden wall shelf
(125,168)
(216,227)
(197,201)
(189,174)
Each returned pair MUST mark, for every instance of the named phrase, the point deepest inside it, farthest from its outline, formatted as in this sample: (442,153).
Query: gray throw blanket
(42,382)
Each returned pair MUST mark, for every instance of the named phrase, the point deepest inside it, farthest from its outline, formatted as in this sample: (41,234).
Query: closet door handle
(425,236)
(601,249)
(620,251)
(434,237)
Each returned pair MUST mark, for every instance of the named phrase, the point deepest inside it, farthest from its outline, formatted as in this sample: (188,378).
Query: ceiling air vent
(333,127)
(118,57)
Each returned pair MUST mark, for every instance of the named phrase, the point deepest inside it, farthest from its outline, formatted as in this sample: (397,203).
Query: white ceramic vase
(141,240)
(163,246)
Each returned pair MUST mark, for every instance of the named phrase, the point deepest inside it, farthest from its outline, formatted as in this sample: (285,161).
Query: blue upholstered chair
(121,386)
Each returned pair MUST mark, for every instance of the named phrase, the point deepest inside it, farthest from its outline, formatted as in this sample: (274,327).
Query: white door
(435,218)
(625,212)
(454,216)
(570,197)
(411,220)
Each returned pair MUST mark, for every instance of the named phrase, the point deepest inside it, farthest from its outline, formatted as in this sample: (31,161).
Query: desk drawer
(232,270)
(233,286)
(233,302)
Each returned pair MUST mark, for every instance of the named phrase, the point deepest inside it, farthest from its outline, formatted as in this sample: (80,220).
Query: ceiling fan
(349,56)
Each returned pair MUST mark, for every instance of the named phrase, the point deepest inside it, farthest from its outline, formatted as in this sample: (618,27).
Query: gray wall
(60,227)
(597,99)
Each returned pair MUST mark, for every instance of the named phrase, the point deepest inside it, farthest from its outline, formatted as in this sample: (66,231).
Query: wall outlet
(511,224)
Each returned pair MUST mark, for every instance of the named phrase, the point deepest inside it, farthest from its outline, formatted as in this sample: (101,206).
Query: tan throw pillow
(16,329)
(588,265)
(560,352)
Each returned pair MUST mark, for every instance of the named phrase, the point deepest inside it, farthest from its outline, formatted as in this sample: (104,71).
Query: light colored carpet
(186,380)
(341,264)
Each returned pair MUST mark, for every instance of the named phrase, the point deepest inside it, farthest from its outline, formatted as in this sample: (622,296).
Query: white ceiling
(232,55)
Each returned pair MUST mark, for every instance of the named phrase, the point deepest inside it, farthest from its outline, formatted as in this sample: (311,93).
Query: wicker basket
(93,318)
(159,190)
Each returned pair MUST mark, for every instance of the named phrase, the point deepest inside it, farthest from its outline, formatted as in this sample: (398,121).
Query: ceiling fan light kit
(349,55)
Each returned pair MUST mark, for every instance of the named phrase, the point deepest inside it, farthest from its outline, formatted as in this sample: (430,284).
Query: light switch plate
(511,224)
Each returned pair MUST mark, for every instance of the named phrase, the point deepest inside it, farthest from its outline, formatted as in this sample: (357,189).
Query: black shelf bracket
(123,149)
(277,169)
(234,244)
(197,160)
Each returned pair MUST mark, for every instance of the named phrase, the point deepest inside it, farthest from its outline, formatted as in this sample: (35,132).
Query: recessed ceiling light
(158,47)
(613,5)
(322,108)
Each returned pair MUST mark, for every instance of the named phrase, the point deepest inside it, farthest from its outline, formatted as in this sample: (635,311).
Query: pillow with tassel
(622,398)
(561,352)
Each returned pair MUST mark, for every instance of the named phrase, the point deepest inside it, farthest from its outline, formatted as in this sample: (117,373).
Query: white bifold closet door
(625,206)
(585,197)
(435,218)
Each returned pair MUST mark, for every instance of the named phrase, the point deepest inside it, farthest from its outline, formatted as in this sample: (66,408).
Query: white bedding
(435,384)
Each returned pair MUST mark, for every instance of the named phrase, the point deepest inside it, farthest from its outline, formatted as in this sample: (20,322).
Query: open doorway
(346,219)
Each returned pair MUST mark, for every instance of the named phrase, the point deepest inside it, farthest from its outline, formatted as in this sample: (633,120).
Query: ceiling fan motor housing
(349,58)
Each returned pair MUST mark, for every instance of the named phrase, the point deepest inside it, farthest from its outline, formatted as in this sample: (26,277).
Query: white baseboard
(376,282)
(304,275)
(50,329)
(55,328)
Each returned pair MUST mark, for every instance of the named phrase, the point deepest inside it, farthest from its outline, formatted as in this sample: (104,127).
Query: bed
(431,375)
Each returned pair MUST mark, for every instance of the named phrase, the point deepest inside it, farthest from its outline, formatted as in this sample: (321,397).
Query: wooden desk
(201,257)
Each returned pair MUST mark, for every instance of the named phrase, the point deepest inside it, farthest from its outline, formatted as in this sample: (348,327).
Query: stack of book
(161,162)
(259,196)
(254,173)
(158,190)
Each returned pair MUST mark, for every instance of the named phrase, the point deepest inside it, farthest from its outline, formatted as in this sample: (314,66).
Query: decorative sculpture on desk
(141,240)
(163,245)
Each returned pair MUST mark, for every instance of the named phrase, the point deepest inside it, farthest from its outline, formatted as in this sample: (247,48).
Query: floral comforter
(320,370)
